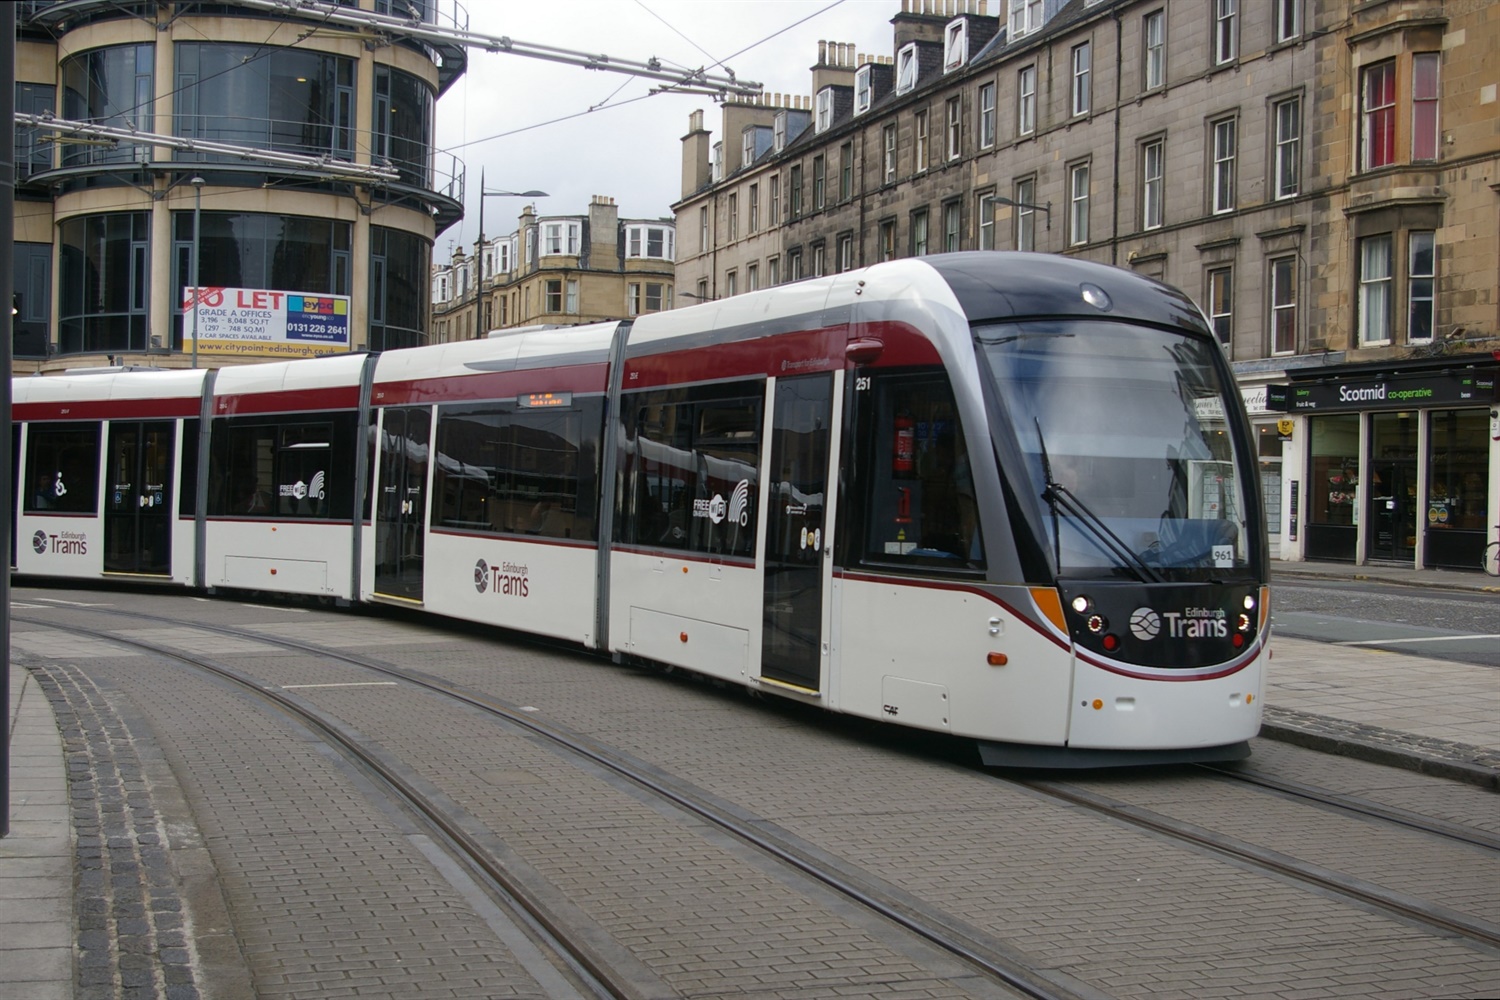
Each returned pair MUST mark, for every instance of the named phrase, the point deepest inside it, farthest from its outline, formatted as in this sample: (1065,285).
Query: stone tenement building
(556,269)
(1321,175)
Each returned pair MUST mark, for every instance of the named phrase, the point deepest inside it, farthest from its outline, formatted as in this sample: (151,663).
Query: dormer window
(718,162)
(778,132)
(560,238)
(825,109)
(649,241)
(747,147)
(906,69)
(1025,17)
(955,45)
(863,90)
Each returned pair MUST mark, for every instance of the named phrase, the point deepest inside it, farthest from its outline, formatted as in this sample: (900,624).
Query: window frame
(1425,107)
(1417,275)
(1286,158)
(906,68)
(955,44)
(1026,100)
(1153,182)
(1219,296)
(954,114)
(1375,290)
(952,226)
(1287,19)
(919,131)
(1377,121)
(1081,62)
(986,102)
(984,214)
(864,89)
(920,233)
(823,116)
(1078,204)
(1154,54)
(890,150)
(1025,196)
(1224,151)
(1282,289)
(1226,32)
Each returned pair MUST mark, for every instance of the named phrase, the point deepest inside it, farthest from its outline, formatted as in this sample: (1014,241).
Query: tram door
(401,501)
(796,530)
(138,498)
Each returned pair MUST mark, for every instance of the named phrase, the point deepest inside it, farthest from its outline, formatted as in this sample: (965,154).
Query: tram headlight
(1082,604)
(1244,623)
(1097,624)
(1249,602)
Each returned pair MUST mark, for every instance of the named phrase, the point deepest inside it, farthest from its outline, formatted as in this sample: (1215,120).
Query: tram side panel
(59,526)
(280,503)
(514,522)
(685,588)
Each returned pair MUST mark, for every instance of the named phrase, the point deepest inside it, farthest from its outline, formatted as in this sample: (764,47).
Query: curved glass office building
(339,195)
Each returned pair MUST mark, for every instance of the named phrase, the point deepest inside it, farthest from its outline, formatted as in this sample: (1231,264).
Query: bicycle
(1490,563)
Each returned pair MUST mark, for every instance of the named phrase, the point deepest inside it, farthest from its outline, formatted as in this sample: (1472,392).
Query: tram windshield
(1127,451)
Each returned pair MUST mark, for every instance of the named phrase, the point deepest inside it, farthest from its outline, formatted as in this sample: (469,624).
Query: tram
(1009,497)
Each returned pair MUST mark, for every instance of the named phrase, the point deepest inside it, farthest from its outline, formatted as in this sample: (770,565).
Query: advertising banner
(256,322)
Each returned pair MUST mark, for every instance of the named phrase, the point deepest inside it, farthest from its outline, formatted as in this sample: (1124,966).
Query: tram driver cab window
(913,480)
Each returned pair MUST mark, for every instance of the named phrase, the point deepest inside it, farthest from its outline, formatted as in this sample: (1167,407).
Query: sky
(511,116)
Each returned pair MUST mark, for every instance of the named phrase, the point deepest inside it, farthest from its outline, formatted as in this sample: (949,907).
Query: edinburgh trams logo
(736,509)
(64,543)
(1191,623)
(506,579)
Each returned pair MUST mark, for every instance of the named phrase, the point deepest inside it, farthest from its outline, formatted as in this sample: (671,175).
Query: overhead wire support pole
(717,84)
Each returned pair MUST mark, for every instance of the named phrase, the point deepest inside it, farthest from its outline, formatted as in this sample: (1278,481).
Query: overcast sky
(502,115)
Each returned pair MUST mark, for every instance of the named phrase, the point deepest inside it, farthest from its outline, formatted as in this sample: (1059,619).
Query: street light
(997,199)
(197,183)
(483,194)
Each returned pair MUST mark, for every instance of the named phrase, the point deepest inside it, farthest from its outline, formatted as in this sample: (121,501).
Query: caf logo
(1145,624)
(481,576)
(39,542)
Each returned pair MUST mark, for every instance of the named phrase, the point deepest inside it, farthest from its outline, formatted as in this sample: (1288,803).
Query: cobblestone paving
(127,909)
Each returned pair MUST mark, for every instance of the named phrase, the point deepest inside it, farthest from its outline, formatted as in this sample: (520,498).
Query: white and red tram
(1010,497)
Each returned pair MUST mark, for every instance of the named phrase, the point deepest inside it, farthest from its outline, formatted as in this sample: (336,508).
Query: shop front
(1399,465)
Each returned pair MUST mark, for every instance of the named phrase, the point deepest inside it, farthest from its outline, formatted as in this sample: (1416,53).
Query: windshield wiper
(1059,496)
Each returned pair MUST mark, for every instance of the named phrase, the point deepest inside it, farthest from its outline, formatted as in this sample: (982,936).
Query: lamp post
(479,246)
(197,183)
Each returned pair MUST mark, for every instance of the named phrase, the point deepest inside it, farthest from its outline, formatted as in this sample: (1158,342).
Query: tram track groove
(989,958)
(1399,904)
(1356,805)
(448,830)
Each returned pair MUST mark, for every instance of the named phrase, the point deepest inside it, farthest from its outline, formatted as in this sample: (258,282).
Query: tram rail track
(1357,805)
(988,958)
(1402,905)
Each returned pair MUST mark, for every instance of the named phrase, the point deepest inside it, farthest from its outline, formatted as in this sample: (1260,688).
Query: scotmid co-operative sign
(1401,392)
(258,322)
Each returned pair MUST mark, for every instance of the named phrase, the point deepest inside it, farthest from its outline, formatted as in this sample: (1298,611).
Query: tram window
(187,482)
(534,472)
(302,470)
(62,469)
(295,466)
(912,481)
(689,469)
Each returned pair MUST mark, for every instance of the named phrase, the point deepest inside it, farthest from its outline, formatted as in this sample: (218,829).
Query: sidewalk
(1427,715)
(36,860)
